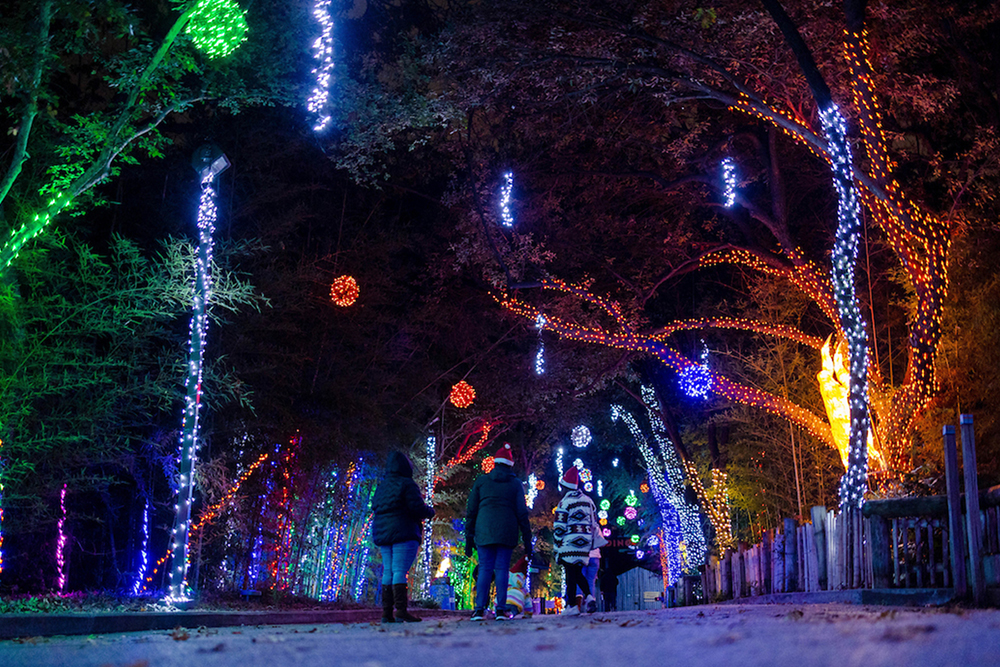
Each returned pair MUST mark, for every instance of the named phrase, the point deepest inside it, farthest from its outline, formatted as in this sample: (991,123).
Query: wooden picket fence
(907,543)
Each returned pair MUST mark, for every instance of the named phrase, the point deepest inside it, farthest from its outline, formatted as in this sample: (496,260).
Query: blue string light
(696,380)
(143,552)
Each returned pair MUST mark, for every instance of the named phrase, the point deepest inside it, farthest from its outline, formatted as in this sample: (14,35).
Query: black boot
(387,604)
(399,594)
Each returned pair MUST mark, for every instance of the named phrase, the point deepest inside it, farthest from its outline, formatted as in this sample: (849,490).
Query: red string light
(462,395)
(344,291)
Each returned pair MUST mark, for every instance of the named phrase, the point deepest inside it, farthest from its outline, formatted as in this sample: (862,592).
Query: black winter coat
(496,510)
(397,504)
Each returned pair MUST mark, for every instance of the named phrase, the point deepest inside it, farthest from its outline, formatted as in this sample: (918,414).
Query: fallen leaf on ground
(179,634)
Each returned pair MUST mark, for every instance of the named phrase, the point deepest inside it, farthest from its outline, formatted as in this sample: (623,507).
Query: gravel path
(726,636)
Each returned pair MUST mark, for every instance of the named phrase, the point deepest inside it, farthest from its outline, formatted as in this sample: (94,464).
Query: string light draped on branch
(729,181)
(209,162)
(217,27)
(696,380)
(319,99)
(506,217)
(845,253)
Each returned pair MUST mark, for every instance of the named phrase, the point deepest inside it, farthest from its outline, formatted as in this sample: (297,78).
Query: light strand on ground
(319,99)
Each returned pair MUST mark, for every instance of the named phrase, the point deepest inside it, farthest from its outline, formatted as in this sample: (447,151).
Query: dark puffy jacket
(397,504)
(496,510)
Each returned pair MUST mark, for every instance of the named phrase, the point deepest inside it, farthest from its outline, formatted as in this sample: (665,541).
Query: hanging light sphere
(217,27)
(630,513)
(607,532)
(588,487)
(605,504)
(539,485)
(644,487)
(488,464)
(462,395)
(580,436)
(344,291)
(620,521)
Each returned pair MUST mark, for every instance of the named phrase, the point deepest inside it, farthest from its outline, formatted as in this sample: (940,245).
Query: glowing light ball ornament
(631,499)
(488,464)
(217,27)
(580,436)
(462,395)
(620,521)
(605,504)
(630,513)
(696,380)
(344,291)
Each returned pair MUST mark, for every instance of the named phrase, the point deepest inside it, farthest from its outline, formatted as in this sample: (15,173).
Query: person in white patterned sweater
(575,534)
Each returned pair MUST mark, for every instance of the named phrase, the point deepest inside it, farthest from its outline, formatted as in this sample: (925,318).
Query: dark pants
(575,579)
(494,559)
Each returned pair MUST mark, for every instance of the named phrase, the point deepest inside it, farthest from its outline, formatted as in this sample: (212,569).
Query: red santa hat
(504,455)
(520,566)
(571,478)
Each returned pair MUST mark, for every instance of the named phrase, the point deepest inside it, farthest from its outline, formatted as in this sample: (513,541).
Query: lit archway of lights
(319,100)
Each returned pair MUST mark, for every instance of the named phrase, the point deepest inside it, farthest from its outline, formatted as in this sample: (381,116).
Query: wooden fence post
(974,526)
(818,515)
(778,563)
(791,556)
(881,551)
(726,566)
(766,585)
(956,541)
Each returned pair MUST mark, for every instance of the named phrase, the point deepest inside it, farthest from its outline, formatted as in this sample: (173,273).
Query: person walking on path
(574,535)
(399,511)
(495,514)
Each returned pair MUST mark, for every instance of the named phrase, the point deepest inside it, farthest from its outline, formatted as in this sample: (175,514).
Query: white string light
(319,99)
(729,178)
(580,436)
(529,499)
(696,380)
(202,289)
(61,541)
(428,530)
(845,253)
(508,186)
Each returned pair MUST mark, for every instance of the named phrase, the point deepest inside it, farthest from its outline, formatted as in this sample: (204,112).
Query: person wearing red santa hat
(574,534)
(495,514)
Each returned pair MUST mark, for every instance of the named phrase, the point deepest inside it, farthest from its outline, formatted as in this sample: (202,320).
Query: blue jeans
(396,561)
(590,574)
(494,559)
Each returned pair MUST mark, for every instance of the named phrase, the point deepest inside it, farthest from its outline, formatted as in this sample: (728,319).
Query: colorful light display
(319,99)
(462,395)
(344,291)
(217,27)
(488,464)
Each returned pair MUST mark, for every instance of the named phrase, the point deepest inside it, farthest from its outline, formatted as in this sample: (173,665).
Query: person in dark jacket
(399,511)
(495,514)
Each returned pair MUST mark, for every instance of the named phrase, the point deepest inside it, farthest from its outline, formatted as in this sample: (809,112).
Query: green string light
(217,27)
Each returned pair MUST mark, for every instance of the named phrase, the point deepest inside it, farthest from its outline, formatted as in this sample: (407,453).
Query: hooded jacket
(399,509)
(576,532)
(496,511)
